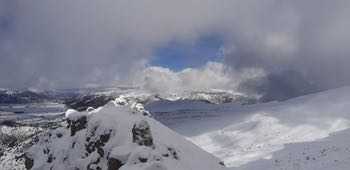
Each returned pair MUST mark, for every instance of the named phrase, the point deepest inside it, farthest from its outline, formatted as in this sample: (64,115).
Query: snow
(329,153)
(17,139)
(304,133)
(240,135)
(74,115)
(168,150)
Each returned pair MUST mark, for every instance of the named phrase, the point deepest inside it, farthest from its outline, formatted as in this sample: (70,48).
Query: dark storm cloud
(73,43)
(310,37)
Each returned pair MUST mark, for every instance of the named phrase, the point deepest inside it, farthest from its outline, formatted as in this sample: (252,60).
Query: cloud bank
(212,75)
(67,43)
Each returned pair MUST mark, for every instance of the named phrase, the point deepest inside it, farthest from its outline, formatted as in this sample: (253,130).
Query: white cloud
(213,75)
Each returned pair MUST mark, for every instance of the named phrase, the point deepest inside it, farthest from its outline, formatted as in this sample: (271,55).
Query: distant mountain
(83,102)
(21,97)
(281,86)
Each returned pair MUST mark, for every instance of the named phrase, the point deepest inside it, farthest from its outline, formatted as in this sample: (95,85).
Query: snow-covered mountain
(21,96)
(308,132)
(114,137)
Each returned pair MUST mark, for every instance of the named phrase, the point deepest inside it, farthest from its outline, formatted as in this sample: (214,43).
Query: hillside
(275,131)
(115,137)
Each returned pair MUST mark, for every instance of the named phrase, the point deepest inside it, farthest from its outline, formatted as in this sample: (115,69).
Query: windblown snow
(294,134)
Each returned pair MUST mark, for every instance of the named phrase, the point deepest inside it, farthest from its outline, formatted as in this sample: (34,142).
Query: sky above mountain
(62,44)
(179,55)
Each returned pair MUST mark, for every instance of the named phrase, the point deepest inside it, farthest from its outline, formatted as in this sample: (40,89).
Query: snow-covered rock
(116,137)
(13,141)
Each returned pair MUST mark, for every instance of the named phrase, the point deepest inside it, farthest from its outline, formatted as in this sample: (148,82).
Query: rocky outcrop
(115,137)
(76,125)
(114,164)
(82,103)
(28,162)
(141,134)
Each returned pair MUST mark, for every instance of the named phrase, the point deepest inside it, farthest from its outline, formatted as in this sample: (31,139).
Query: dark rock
(50,158)
(10,123)
(222,163)
(114,164)
(143,160)
(46,151)
(12,144)
(105,137)
(59,135)
(100,151)
(173,153)
(94,163)
(77,125)
(28,162)
(97,144)
(141,134)
(82,103)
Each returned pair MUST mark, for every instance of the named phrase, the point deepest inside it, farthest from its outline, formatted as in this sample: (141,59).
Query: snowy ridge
(213,96)
(116,137)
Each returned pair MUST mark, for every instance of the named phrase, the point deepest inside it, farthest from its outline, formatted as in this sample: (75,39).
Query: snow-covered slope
(331,153)
(308,133)
(240,135)
(116,137)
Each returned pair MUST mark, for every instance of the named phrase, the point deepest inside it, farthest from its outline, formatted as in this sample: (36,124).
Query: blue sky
(178,55)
